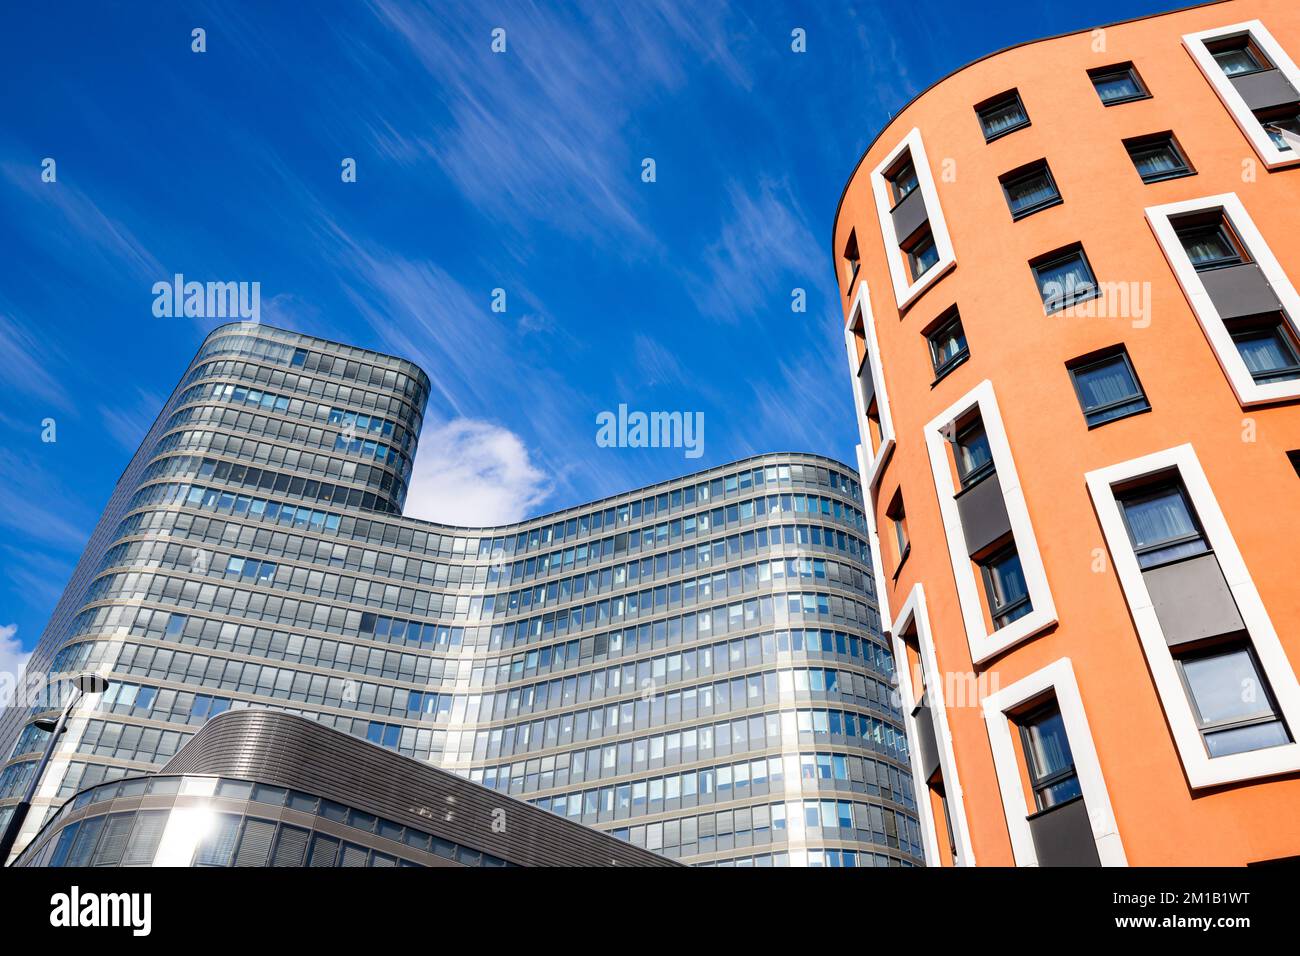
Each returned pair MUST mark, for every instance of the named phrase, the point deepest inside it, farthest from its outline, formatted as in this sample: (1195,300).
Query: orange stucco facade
(1162,813)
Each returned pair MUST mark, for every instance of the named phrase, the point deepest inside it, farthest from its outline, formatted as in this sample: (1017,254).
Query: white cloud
(473,473)
(13,659)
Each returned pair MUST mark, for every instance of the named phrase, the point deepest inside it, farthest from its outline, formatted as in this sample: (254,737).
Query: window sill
(1030,210)
(951,366)
(1078,299)
(1006,132)
(1166,177)
(1117,418)
(1135,98)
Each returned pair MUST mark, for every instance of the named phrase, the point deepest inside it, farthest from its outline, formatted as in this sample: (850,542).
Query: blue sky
(475,171)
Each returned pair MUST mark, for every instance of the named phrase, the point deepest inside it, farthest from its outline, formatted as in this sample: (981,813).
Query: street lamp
(85,684)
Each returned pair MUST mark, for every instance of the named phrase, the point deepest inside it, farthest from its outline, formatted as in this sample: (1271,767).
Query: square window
(1210,242)
(1118,84)
(1239,55)
(902,179)
(1158,157)
(1064,278)
(922,253)
(1232,701)
(973,455)
(898,518)
(1002,114)
(1005,587)
(852,258)
(1048,756)
(1030,189)
(1161,524)
(1268,347)
(1108,388)
(947,342)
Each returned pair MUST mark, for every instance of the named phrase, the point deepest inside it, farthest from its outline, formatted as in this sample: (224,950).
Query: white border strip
(983,643)
(1201,769)
(915,610)
(877,566)
(905,290)
(1059,677)
(1248,391)
(870,474)
(1253,130)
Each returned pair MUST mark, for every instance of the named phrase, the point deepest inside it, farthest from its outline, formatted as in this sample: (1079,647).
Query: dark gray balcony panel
(983,514)
(927,742)
(1263,91)
(909,215)
(1240,291)
(868,385)
(1192,600)
(1063,836)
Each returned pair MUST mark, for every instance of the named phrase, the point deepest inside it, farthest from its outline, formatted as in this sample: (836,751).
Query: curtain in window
(1009,581)
(1264,352)
(1049,747)
(1154,162)
(1065,281)
(1030,191)
(1116,87)
(1235,62)
(1003,118)
(1106,384)
(1208,246)
(1158,519)
(974,452)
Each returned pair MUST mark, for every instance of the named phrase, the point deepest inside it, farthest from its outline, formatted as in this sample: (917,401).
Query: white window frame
(986,644)
(1248,391)
(915,611)
(1195,43)
(1059,678)
(873,541)
(1202,770)
(870,365)
(906,289)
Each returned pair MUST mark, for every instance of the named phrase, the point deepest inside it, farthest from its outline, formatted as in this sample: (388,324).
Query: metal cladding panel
(909,215)
(1192,600)
(291,751)
(983,512)
(1265,90)
(1063,835)
(1240,291)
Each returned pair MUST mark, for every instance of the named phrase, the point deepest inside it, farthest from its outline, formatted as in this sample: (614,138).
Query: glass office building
(695,667)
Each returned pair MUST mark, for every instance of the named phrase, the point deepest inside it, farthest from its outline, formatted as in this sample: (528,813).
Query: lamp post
(85,684)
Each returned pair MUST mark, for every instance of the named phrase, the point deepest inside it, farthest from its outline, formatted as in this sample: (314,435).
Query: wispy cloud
(474,473)
(763,246)
(28,361)
(539,133)
(128,422)
(35,505)
(74,225)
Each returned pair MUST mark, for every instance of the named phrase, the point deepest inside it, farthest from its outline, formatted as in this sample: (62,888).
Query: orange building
(1068,273)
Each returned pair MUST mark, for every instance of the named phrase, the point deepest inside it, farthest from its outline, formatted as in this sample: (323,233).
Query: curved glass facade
(696,667)
(208,821)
